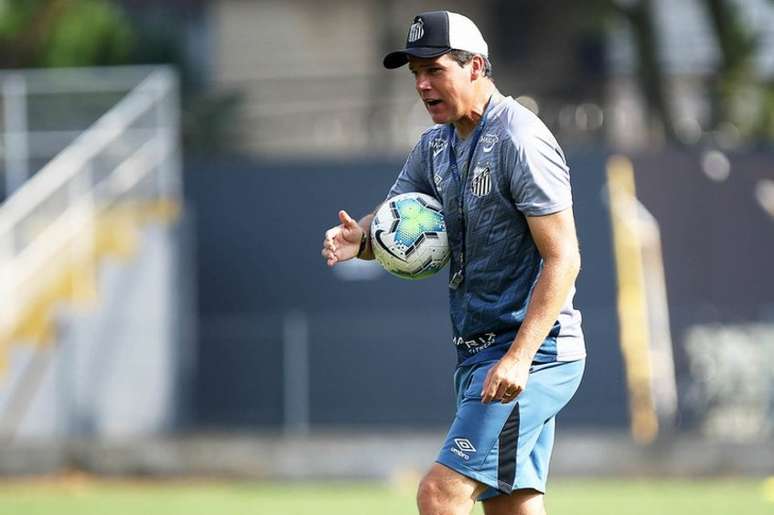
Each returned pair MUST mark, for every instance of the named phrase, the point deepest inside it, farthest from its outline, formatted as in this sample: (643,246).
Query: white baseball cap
(435,33)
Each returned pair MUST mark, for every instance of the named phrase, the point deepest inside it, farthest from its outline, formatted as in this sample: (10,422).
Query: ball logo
(416,31)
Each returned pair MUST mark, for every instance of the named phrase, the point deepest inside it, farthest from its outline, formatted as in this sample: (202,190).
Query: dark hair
(462,58)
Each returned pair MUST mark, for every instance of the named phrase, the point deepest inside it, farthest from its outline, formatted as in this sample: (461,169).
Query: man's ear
(476,67)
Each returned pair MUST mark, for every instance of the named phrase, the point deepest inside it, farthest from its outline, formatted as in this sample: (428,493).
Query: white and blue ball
(408,236)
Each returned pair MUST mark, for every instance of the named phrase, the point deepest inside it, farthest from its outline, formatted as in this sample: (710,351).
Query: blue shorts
(508,446)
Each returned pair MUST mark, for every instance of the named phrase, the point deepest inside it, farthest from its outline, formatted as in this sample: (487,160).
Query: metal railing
(128,156)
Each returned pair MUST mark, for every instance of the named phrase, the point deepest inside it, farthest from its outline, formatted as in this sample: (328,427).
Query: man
(505,189)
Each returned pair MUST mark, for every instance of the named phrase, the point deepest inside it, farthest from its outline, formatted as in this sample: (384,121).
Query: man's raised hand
(343,241)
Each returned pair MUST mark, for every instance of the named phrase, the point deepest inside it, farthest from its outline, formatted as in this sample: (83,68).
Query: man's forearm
(550,293)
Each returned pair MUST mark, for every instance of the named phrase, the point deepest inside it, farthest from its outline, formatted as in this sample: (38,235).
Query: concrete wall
(116,369)
(379,348)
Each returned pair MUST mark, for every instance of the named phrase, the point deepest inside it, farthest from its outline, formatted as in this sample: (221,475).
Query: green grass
(566,497)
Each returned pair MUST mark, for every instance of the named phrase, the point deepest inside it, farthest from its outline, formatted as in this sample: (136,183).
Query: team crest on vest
(437,145)
(416,31)
(481,184)
(488,141)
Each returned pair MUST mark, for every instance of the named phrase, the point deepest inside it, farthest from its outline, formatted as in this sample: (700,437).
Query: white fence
(121,170)
(129,153)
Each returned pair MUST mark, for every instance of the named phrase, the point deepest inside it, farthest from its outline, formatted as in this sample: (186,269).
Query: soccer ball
(408,236)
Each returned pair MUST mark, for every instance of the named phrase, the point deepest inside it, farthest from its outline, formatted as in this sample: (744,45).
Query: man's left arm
(556,240)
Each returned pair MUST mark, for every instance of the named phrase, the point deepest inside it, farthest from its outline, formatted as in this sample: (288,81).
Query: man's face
(445,87)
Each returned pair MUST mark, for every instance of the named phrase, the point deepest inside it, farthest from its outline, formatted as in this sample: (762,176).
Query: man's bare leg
(520,502)
(445,492)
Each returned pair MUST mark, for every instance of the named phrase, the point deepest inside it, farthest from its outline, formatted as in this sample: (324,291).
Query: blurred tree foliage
(209,118)
(737,89)
(52,33)
(66,33)
(738,95)
(640,15)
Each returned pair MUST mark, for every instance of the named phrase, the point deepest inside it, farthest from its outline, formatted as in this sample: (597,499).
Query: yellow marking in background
(768,489)
(71,276)
(632,303)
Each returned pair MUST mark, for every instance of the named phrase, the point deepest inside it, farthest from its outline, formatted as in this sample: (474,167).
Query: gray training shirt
(517,170)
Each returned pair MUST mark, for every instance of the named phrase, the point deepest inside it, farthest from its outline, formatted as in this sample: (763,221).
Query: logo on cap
(416,31)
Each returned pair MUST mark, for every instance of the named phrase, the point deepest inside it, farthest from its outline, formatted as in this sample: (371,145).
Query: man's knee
(444,491)
(431,493)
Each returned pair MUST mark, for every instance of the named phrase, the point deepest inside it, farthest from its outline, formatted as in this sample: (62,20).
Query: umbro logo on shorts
(464,445)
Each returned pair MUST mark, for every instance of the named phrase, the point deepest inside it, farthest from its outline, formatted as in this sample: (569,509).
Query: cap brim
(400,57)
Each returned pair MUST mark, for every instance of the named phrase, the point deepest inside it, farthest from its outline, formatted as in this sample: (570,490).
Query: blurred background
(167,172)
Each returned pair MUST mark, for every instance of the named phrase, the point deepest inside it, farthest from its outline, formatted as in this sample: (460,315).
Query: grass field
(84,496)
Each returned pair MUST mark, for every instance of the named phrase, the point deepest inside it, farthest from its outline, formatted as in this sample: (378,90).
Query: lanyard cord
(458,276)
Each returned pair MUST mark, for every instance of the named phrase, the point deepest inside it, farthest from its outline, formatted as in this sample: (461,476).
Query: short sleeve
(414,175)
(540,180)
